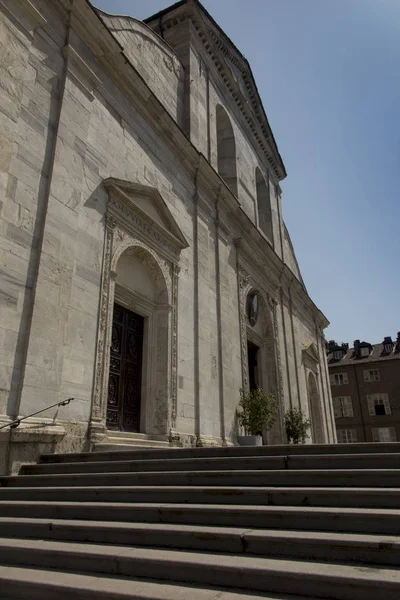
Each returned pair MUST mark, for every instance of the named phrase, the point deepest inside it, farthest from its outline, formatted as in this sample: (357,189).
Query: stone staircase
(278,522)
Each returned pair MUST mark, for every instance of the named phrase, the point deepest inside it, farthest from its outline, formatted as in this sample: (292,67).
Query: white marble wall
(67,125)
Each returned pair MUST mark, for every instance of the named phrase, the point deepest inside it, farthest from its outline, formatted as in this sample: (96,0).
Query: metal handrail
(14,424)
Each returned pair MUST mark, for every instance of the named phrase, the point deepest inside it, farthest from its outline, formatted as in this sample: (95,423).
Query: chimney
(345,347)
(398,342)
(331,345)
(356,344)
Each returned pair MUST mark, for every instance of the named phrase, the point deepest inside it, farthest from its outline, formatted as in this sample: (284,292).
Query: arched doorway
(259,351)
(226,150)
(315,408)
(137,385)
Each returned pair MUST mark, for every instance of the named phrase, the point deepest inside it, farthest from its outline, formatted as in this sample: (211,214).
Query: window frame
(343,407)
(378,399)
(364,352)
(343,432)
(367,375)
(333,378)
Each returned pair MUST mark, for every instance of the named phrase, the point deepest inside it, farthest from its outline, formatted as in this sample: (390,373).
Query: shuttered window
(346,436)
(372,375)
(384,434)
(343,407)
(338,379)
(378,404)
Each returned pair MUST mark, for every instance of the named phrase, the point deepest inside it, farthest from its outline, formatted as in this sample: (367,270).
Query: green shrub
(257,411)
(296,425)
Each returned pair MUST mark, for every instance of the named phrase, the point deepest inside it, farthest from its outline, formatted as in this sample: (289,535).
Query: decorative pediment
(311,357)
(233,69)
(142,208)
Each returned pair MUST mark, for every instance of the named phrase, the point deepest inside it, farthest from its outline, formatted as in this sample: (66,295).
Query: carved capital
(111,222)
(272,302)
(244,279)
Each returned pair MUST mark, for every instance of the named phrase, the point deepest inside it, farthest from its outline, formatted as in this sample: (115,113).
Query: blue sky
(328,72)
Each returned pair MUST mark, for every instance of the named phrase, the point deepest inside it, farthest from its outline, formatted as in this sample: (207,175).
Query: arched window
(226,150)
(264,205)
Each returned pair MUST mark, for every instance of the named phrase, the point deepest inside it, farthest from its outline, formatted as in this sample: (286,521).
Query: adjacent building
(365,385)
(145,268)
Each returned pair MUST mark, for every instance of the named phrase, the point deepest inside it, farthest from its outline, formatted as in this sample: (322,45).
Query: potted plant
(297,426)
(257,412)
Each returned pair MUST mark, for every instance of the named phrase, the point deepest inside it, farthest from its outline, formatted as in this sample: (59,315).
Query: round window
(252,308)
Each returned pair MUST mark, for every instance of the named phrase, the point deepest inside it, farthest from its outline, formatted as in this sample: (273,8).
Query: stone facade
(138,168)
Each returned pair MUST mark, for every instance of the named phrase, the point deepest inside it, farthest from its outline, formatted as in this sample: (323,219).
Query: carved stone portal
(141,249)
(264,335)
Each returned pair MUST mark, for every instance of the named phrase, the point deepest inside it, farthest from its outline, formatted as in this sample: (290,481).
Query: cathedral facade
(146,271)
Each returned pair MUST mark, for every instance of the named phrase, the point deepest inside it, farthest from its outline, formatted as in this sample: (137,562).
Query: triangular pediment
(232,67)
(311,356)
(149,205)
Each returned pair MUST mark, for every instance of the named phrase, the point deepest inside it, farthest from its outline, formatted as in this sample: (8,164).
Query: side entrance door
(125,377)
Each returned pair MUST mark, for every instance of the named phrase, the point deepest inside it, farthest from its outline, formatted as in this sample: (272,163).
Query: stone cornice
(80,71)
(300,300)
(19,11)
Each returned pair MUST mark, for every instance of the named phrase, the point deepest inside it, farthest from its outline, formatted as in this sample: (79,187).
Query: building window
(339,379)
(378,404)
(384,434)
(338,354)
(364,351)
(343,407)
(372,375)
(346,436)
(388,348)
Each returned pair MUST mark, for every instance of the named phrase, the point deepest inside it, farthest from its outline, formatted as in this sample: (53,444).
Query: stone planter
(250,440)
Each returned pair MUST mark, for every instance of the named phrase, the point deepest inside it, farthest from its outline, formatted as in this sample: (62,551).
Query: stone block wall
(157,63)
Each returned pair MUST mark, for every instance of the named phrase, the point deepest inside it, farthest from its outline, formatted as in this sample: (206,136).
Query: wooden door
(125,377)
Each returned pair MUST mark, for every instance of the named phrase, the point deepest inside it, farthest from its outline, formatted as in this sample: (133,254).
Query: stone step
(126,446)
(286,450)
(135,436)
(356,520)
(284,496)
(301,462)
(239,572)
(388,478)
(143,465)
(305,545)
(35,584)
